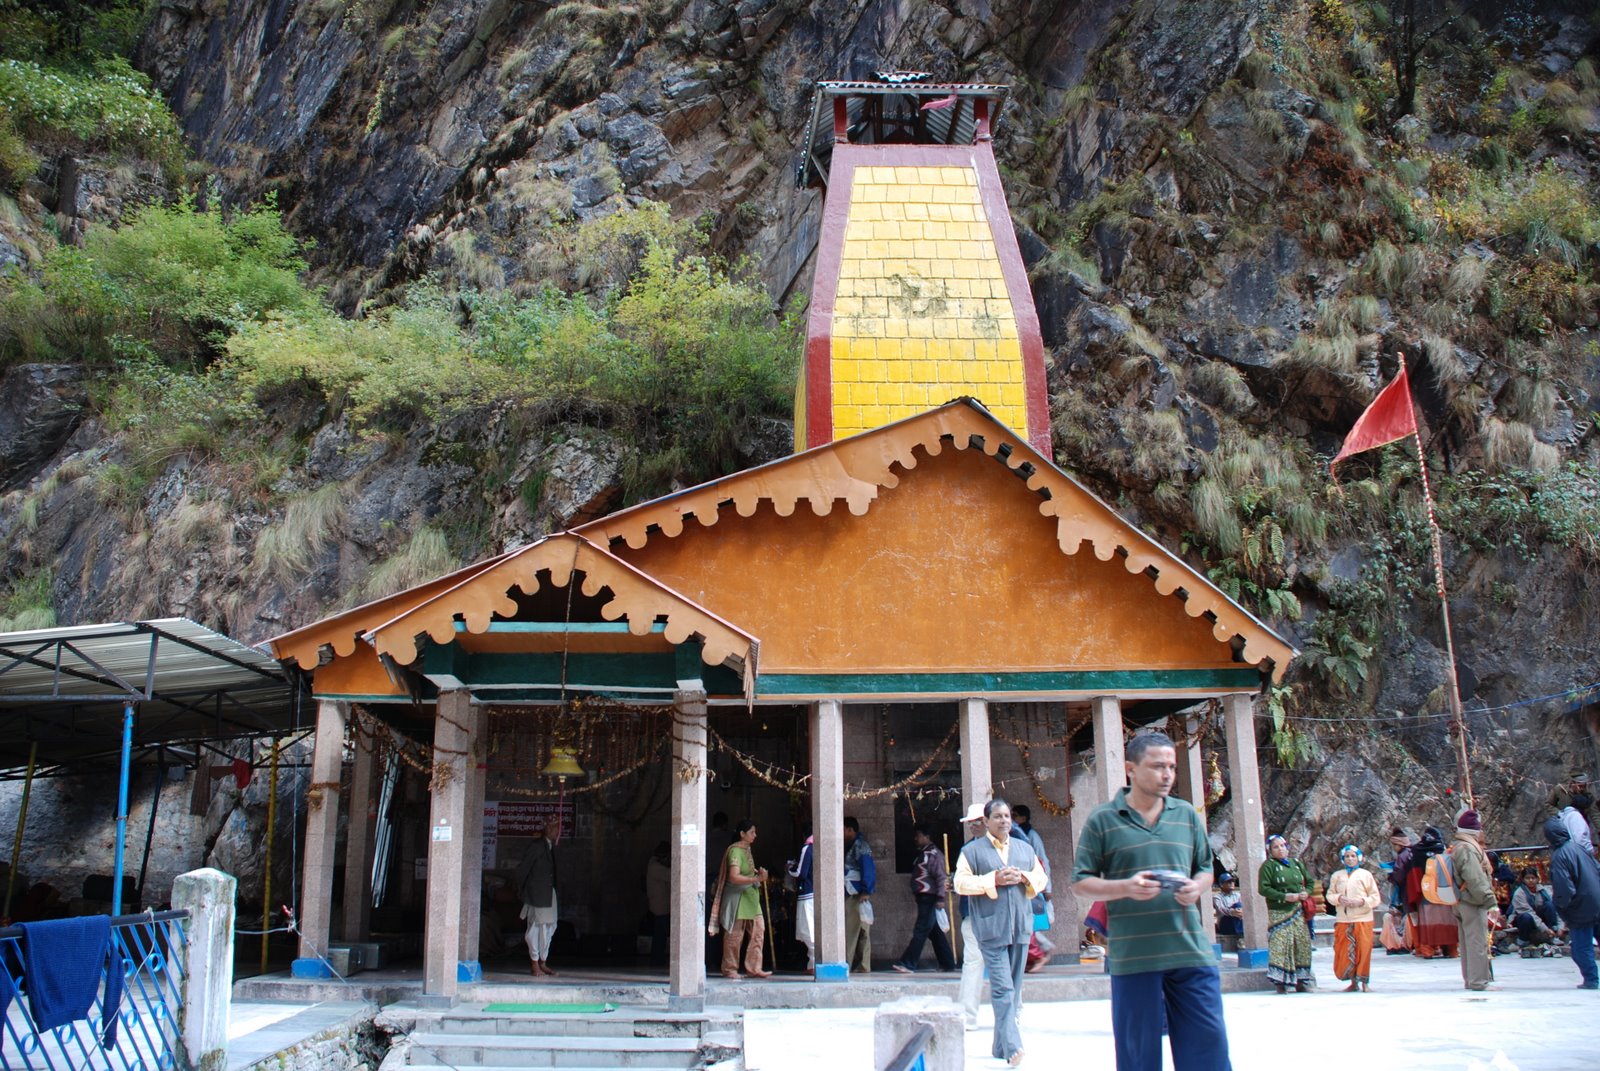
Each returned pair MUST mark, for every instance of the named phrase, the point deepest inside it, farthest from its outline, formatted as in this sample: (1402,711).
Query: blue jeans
(1583,954)
(920,933)
(1190,998)
(1005,964)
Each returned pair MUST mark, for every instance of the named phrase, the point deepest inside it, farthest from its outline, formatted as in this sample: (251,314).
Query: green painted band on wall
(1100,682)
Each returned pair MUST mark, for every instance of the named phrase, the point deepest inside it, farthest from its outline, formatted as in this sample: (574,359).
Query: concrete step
(624,1023)
(525,1050)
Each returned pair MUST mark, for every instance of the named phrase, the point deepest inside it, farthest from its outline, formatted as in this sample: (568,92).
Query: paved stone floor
(1417,1018)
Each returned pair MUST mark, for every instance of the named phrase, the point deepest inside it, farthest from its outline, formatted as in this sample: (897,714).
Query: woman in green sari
(1285,886)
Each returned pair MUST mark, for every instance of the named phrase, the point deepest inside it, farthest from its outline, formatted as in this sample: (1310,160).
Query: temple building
(916,610)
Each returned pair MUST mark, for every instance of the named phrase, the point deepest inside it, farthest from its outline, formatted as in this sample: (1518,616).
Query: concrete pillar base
(831,972)
(310,968)
(1253,959)
(676,1003)
(897,1022)
(469,970)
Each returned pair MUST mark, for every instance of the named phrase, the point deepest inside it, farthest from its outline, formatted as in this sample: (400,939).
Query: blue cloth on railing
(63,960)
(9,965)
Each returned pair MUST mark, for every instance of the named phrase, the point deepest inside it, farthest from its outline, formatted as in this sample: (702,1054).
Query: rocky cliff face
(1225,221)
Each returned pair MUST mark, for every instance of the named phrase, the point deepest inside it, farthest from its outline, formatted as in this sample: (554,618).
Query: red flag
(241,773)
(941,103)
(1389,417)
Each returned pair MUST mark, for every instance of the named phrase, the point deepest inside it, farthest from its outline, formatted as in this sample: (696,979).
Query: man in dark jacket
(929,880)
(1575,877)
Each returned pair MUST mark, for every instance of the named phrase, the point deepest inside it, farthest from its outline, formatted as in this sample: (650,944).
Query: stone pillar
(208,896)
(358,845)
(468,969)
(977,772)
(322,830)
(1249,824)
(447,821)
(1110,774)
(1191,787)
(827,846)
(686,973)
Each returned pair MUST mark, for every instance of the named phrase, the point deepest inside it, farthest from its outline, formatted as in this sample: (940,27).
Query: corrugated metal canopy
(64,689)
(875,109)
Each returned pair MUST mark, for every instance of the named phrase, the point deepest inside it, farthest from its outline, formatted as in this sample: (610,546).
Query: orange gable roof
(855,472)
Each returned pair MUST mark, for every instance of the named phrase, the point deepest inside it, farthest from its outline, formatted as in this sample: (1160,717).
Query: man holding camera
(1147,856)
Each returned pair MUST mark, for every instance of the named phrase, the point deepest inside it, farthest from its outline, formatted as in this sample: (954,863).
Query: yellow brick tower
(920,294)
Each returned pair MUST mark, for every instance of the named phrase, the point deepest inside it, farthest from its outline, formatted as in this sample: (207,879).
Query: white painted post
(1110,774)
(686,971)
(827,845)
(208,896)
(1249,823)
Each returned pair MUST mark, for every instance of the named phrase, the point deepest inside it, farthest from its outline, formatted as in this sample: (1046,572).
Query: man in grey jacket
(999,875)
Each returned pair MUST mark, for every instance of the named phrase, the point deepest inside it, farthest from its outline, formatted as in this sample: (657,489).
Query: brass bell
(563,764)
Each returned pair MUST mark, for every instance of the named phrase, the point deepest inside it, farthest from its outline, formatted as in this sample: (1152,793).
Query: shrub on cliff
(107,105)
(680,354)
(172,281)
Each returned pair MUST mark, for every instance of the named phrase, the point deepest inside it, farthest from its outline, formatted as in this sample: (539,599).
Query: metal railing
(148,1033)
(913,1055)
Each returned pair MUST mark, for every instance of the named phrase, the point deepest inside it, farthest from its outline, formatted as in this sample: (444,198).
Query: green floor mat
(547,1009)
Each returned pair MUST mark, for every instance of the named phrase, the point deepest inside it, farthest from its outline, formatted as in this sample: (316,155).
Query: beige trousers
(756,929)
(1477,971)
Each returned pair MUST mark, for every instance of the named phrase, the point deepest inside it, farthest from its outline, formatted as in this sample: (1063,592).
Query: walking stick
(950,901)
(766,906)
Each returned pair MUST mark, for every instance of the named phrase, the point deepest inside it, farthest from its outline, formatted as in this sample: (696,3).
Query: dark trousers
(1228,926)
(660,935)
(1528,927)
(924,930)
(1190,998)
(1583,954)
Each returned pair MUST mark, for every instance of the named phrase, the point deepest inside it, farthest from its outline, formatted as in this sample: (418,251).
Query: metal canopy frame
(170,682)
(65,688)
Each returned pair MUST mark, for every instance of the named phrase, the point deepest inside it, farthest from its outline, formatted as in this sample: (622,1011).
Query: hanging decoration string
(915,778)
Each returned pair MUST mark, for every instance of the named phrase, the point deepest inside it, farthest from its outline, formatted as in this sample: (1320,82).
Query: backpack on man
(1439,880)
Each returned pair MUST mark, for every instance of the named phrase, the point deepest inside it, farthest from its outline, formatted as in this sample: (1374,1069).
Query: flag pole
(1458,728)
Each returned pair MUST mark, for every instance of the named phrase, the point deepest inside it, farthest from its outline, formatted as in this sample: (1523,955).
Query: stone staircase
(636,1039)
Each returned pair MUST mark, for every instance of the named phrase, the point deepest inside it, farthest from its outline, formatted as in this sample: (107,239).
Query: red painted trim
(824,292)
(1034,384)
(841,121)
(980,113)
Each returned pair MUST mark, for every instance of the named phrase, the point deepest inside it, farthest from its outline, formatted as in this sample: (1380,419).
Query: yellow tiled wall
(921,313)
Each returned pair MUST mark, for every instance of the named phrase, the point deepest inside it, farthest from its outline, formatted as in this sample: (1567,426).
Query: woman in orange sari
(1353,894)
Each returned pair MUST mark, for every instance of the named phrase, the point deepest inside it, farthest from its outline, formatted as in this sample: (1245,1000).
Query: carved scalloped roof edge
(635,597)
(339,632)
(853,470)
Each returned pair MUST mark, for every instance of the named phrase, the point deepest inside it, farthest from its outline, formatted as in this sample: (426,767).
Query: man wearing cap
(1476,903)
(1228,906)
(971,957)
(998,875)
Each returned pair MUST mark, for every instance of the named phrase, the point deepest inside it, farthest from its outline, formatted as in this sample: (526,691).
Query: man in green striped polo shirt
(1146,855)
